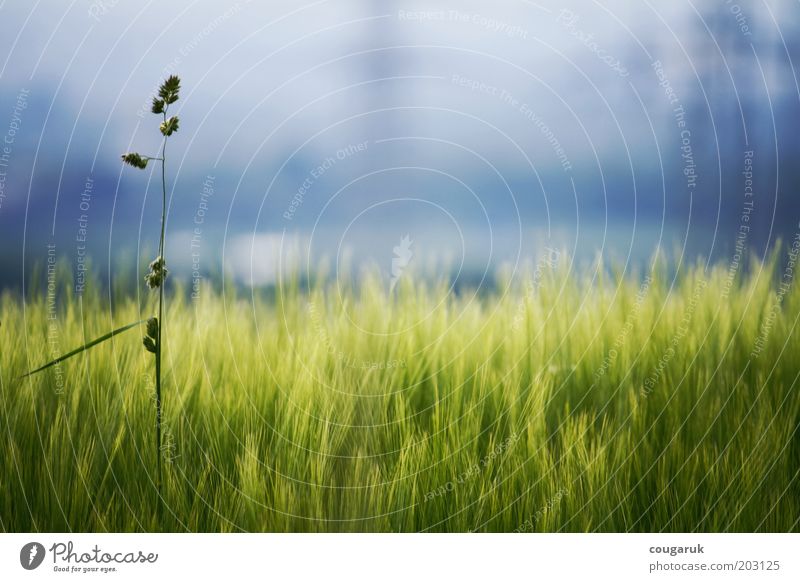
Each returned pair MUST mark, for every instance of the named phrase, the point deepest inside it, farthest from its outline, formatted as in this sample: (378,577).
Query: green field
(563,400)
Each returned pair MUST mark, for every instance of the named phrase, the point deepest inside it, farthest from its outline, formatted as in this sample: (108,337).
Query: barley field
(564,399)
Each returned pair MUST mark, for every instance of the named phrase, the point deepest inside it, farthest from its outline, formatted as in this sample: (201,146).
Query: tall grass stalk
(168,93)
(161,253)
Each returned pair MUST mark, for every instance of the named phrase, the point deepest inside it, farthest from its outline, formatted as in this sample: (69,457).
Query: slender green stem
(161,303)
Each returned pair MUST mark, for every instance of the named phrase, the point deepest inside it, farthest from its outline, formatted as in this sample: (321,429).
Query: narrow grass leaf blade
(85,347)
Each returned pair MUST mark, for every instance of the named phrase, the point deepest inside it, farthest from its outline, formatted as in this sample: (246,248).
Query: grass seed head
(149,344)
(157,275)
(169,89)
(169,126)
(158,105)
(135,160)
(152,327)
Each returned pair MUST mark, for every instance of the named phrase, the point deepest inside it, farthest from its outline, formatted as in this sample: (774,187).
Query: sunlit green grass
(566,400)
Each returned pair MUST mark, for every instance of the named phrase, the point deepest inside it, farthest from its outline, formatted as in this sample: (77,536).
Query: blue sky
(333,129)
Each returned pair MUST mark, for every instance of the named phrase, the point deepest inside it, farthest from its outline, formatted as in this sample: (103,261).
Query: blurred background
(328,131)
